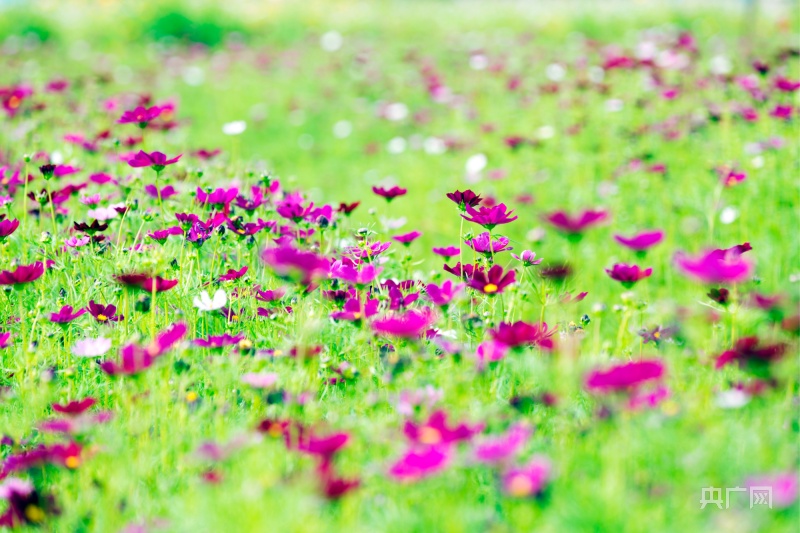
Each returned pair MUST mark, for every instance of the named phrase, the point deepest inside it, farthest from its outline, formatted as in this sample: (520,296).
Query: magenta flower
(464,199)
(141,116)
(75,407)
(641,242)
(490,352)
(66,315)
(22,274)
(443,294)
(407,238)
(505,447)
(528,258)
(133,360)
(155,160)
(410,324)
(161,236)
(218,197)
(104,313)
(165,192)
(233,274)
(419,463)
(353,310)
(628,275)
(626,376)
(529,480)
(218,341)
(7,227)
(575,225)
(447,252)
(492,281)
(5,339)
(784,487)
(715,267)
(390,193)
(287,262)
(747,353)
(489,217)
(520,333)
(350,274)
(435,431)
(367,251)
(146,282)
(731,176)
(483,244)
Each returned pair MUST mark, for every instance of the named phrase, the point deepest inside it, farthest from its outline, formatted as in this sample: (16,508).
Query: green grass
(633,471)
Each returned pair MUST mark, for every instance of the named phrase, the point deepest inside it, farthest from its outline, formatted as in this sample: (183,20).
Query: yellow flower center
(102,318)
(490,288)
(657,334)
(14,102)
(234,317)
(356,315)
(275,430)
(191,396)
(34,514)
(429,435)
(240,231)
(72,462)
(520,485)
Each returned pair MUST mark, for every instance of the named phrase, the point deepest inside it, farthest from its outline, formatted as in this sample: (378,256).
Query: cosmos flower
(389,193)
(575,225)
(527,258)
(489,217)
(503,448)
(162,235)
(233,274)
(443,294)
(625,376)
(165,192)
(747,352)
(353,310)
(484,244)
(263,380)
(628,275)
(66,315)
(641,242)
(205,303)
(520,333)
(529,480)
(714,267)
(464,199)
(419,463)
(410,324)
(22,274)
(784,487)
(75,407)
(147,282)
(490,352)
(493,281)
(7,227)
(435,431)
(218,341)
(155,160)
(91,347)
(26,506)
(77,242)
(140,116)
(288,262)
(104,313)
(448,251)
(350,274)
(5,339)
(218,197)
(407,238)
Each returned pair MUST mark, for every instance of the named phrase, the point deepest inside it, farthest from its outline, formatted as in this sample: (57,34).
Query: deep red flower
(390,193)
(104,313)
(628,275)
(492,281)
(522,333)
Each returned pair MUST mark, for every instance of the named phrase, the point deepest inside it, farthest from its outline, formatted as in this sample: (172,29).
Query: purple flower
(575,225)
(407,238)
(410,324)
(628,275)
(350,274)
(464,199)
(162,235)
(529,480)
(22,274)
(505,447)
(490,352)
(447,252)
(5,339)
(155,160)
(233,274)
(104,313)
(483,244)
(492,281)
(641,241)
(165,192)
(141,116)
(715,267)
(66,315)
(419,463)
(7,227)
(218,197)
(522,333)
(435,431)
(528,258)
(489,217)
(353,310)
(303,266)
(443,294)
(218,341)
(626,376)
(390,193)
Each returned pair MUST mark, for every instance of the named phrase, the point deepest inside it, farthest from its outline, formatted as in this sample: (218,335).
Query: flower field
(419,266)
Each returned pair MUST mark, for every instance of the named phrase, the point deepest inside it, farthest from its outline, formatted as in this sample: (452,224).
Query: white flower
(236,127)
(91,347)
(205,303)
(331,41)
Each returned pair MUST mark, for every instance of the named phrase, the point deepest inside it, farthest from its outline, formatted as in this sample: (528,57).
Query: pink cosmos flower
(435,431)
(529,480)
(447,252)
(647,399)
(410,324)
(784,487)
(75,407)
(233,274)
(263,380)
(104,313)
(162,235)
(22,274)
(91,347)
(155,160)
(304,267)
(484,244)
(218,341)
(489,217)
(715,267)
(490,352)
(747,352)
(575,225)
(527,258)
(464,199)
(492,281)
(407,238)
(443,294)
(505,447)
(626,376)
(642,241)
(390,193)
(353,310)
(419,463)
(7,227)
(166,192)
(66,315)
(5,339)
(520,333)
(350,274)
(140,116)
(628,275)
